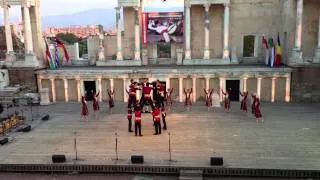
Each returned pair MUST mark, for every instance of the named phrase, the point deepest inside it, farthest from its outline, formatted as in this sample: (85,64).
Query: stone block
(44,96)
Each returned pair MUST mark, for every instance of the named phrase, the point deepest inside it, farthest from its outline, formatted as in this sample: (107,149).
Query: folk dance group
(213,100)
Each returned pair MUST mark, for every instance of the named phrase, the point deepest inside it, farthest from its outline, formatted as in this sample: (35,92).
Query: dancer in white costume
(215,99)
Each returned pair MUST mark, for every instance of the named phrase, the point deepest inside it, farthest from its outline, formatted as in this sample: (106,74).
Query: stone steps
(191,174)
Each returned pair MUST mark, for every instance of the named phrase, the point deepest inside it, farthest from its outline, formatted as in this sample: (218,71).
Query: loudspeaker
(3,140)
(216,161)
(26,128)
(136,159)
(45,118)
(58,158)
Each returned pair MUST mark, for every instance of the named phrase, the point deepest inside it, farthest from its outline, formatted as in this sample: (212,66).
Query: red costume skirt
(95,106)
(244,105)
(111,103)
(84,111)
(187,102)
(227,104)
(209,102)
(257,112)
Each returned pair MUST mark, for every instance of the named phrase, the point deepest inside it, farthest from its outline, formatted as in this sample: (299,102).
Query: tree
(68,38)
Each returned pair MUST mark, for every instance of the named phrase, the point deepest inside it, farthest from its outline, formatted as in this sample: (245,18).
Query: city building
(79,31)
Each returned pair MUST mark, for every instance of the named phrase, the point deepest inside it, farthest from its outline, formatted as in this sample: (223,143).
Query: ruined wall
(128,38)
(110,46)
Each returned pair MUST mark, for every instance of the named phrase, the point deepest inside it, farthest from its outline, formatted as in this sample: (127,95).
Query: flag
(57,56)
(271,51)
(265,44)
(61,45)
(278,53)
(49,59)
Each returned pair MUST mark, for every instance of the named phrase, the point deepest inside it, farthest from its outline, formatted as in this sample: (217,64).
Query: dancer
(133,87)
(129,120)
(96,106)
(164,115)
(187,102)
(208,94)
(111,99)
(137,120)
(227,104)
(161,88)
(156,119)
(146,91)
(257,110)
(244,101)
(169,99)
(252,103)
(84,111)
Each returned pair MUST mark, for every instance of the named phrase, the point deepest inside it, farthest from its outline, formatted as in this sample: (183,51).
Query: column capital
(187,5)
(274,78)
(226,5)
(207,7)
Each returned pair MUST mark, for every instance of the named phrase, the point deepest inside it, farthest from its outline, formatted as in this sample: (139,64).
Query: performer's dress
(187,102)
(95,104)
(227,104)
(244,104)
(257,111)
(84,111)
(215,100)
(111,103)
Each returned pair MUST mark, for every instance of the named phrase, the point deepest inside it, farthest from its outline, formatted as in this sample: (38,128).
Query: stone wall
(128,38)
(93,47)
(306,84)
(72,93)
(110,46)
(23,76)
(59,85)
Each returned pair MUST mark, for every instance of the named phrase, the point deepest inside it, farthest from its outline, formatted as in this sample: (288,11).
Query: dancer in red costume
(208,94)
(227,104)
(161,88)
(156,119)
(84,110)
(137,120)
(257,110)
(169,99)
(244,101)
(133,87)
(111,99)
(129,117)
(187,102)
(164,115)
(96,106)
(147,89)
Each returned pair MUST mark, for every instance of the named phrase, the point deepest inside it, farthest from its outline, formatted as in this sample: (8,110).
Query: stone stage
(289,138)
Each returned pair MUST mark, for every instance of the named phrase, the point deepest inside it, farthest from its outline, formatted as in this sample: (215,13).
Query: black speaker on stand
(216,161)
(58,158)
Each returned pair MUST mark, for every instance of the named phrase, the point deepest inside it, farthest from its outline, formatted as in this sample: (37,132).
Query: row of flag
(273,51)
(54,61)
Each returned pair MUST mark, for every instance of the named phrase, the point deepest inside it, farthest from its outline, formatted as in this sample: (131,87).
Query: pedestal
(145,57)
(296,57)
(10,58)
(44,97)
(29,61)
(206,54)
(316,59)
(179,56)
(234,59)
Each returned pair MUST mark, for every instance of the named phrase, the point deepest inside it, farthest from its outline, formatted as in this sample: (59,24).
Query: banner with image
(163,27)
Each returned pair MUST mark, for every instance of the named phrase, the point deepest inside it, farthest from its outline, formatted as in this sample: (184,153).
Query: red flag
(60,44)
(264,42)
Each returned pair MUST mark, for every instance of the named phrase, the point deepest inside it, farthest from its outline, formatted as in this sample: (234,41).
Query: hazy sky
(55,7)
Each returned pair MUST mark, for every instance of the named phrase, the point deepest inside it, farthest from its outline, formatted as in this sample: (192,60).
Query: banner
(163,27)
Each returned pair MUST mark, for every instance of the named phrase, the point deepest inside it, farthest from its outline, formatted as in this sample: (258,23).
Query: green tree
(68,38)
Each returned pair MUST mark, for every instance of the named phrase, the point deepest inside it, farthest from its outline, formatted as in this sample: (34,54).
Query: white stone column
(168,82)
(194,89)
(99,87)
(7,29)
(53,90)
(226,50)
(206,54)
(259,87)
(39,84)
(137,51)
(181,89)
(66,95)
(101,48)
(245,86)
(288,86)
(273,89)
(222,87)
(119,35)
(296,54)
(188,31)
(78,89)
(111,84)
(28,43)
(207,83)
(125,89)
(317,54)
(82,90)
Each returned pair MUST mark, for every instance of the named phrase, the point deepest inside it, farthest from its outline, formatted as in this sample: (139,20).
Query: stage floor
(289,138)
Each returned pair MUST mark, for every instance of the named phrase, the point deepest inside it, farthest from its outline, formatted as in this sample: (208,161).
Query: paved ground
(289,138)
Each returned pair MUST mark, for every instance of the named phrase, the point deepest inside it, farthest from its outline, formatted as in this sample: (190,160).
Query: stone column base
(137,56)
(206,54)
(119,56)
(10,58)
(179,56)
(316,59)
(296,57)
(44,97)
(234,59)
(187,54)
(29,61)
(145,57)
